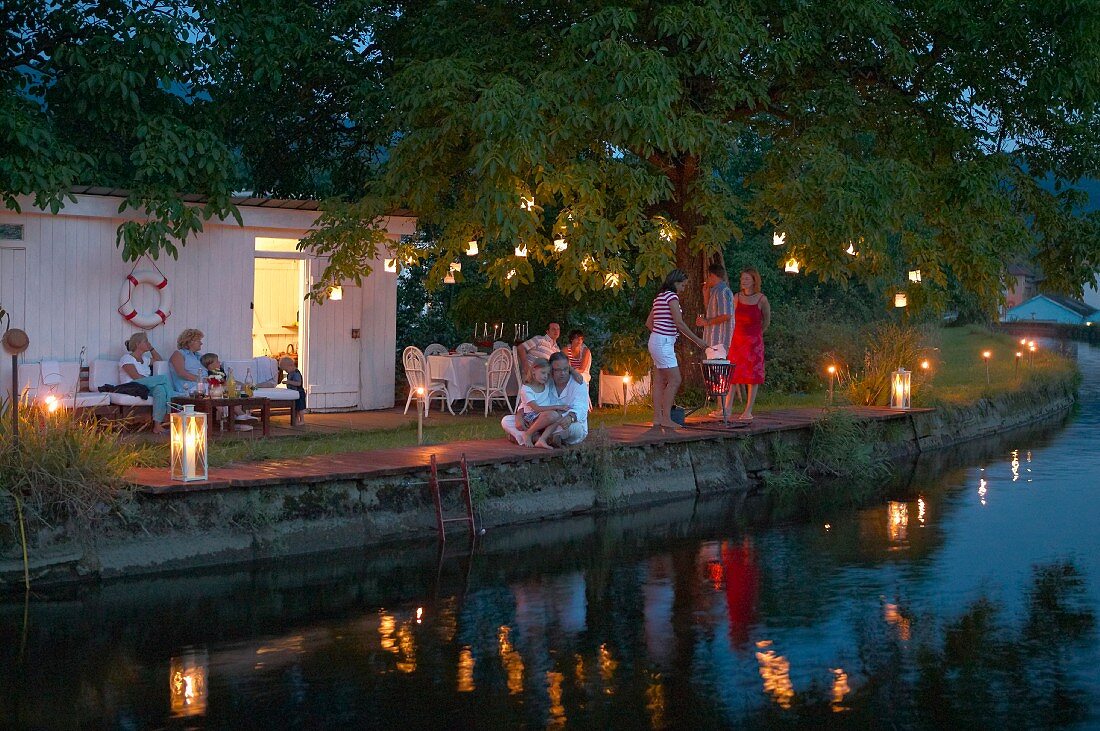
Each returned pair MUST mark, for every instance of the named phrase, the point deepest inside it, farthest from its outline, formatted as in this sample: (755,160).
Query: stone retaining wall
(167,533)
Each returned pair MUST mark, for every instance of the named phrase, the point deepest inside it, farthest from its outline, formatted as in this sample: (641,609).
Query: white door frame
(303,306)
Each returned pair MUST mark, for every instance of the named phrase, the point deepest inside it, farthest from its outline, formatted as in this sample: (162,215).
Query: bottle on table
(249,385)
(230,384)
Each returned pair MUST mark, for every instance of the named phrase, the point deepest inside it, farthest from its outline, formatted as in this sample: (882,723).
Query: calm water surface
(968,598)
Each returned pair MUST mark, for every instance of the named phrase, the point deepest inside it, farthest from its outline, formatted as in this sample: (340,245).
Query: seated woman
(137,366)
(580,357)
(185,369)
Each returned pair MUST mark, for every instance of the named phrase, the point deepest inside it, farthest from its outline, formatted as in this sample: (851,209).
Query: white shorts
(663,350)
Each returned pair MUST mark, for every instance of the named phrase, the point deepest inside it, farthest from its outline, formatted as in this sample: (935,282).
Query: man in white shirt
(567,392)
(540,346)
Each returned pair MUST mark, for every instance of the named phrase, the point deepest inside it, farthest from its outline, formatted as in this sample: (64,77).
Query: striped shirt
(719,302)
(662,314)
(575,361)
(540,346)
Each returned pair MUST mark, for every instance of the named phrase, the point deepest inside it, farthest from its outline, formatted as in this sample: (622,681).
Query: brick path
(383,462)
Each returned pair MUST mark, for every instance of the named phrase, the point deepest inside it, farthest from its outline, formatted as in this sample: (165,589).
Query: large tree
(934,134)
(930,134)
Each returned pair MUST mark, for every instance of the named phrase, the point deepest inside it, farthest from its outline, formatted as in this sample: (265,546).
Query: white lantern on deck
(189,461)
(901,389)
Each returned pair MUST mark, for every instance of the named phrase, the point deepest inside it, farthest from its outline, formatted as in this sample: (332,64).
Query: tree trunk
(683,173)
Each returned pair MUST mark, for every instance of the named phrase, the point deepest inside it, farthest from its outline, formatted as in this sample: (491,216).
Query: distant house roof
(1075,307)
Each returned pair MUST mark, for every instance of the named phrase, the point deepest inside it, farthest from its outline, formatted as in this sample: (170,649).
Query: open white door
(332,349)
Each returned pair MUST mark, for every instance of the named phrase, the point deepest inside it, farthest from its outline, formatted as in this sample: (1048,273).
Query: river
(967,596)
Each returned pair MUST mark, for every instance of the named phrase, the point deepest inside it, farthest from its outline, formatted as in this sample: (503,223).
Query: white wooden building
(61,276)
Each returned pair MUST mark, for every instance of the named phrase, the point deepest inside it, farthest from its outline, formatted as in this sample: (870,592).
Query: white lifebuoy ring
(146,321)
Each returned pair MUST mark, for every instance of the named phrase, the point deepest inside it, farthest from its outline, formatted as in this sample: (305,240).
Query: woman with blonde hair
(185,368)
(752,313)
(665,323)
(137,367)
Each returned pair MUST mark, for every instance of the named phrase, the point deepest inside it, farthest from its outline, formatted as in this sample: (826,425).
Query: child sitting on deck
(295,382)
(213,365)
(536,417)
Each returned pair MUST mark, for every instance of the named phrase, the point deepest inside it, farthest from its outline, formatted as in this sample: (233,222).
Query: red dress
(747,347)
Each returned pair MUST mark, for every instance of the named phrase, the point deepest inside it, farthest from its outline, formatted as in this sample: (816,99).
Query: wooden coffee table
(209,406)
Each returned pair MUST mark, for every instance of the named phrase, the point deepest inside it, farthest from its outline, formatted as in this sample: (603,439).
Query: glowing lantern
(901,389)
(588,264)
(851,250)
(612,279)
(336,293)
(187,684)
(511,273)
(449,278)
(456,266)
(901,300)
(188,445)
(914,276)
(471,247)
(527,204)
(521,250)
(778,239)
(792,266)
(390,265)
(560,244)
(52,404)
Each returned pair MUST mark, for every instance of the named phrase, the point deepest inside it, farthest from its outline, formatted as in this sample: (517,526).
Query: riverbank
(175,530)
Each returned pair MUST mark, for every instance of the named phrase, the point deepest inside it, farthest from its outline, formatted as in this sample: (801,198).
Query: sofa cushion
(121,399)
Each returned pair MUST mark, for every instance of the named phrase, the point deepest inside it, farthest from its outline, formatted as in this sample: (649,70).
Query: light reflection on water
(670,616)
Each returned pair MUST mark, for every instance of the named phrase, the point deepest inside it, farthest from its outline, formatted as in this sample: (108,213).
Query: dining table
(459,372)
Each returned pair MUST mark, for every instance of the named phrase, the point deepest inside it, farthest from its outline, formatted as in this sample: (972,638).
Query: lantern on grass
(901,389)
(189,445)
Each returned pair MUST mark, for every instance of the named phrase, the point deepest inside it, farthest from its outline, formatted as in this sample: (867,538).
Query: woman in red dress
(751,316)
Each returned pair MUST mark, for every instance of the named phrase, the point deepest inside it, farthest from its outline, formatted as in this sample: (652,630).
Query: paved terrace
(384,462)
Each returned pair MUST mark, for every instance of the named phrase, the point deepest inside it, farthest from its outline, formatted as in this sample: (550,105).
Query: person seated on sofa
(213,365)
(137,367)
(185,369)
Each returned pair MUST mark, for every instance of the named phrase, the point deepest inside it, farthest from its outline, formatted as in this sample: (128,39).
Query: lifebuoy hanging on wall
(146,321)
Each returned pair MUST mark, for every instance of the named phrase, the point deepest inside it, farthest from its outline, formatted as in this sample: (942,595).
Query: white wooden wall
(73,273)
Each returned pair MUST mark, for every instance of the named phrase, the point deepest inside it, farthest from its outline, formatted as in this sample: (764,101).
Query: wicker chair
(413,360)
(497,371)
(435,349)
(466,349)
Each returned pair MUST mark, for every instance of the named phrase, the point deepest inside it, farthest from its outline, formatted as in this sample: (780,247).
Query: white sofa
(106,372)
(63,383)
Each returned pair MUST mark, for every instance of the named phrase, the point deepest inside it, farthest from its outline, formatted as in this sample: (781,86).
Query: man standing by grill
(717,323)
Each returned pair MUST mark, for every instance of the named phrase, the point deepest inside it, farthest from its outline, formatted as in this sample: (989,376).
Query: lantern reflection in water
(896,619)
(187,684)
(982,489)
(608,665)
(840,689)
(897,523)
(553,691)
(511,660)
(1015,463)
(655,701)
(776,672)
(466,671)
(921,510)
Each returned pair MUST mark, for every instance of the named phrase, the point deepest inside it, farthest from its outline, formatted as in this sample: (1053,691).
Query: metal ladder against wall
(434,482)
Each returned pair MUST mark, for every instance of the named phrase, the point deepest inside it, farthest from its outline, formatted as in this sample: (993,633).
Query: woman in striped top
(580,357)
(665,323)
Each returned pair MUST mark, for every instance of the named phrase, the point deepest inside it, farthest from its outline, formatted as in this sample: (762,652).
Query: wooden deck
(385,462)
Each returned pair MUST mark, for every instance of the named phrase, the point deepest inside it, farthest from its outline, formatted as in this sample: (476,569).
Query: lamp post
(832,373)
(1031,348)
(1016,368)
(420,408)
(986,355)
(626,382)
(15,342)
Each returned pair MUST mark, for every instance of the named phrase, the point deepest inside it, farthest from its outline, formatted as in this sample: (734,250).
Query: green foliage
(66,469)
(625,354)
(889,346)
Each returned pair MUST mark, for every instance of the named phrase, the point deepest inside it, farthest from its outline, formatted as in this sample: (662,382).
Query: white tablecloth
(611,389)
(460,372)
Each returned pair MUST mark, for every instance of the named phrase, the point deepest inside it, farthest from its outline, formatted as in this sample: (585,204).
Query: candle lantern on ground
(421,407)
(901,389)
(189,460)
(187,684)
(831,370)
(986,355)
